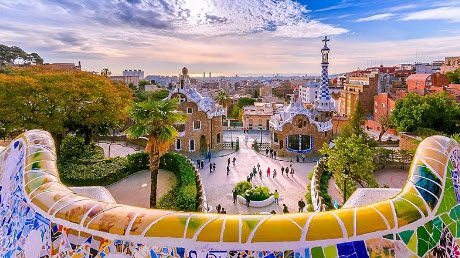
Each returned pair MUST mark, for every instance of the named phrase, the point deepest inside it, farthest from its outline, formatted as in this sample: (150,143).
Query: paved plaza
(218,186)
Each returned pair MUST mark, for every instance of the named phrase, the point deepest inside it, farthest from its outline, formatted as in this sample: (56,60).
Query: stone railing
(41,217)
(315,187)
(202,204)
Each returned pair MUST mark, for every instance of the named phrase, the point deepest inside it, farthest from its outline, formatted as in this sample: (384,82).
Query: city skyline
(228,38)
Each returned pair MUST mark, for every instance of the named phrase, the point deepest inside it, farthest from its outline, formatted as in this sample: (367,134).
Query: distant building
(299,130)
(138,73)
(450,64)
(309,91)
(425,83)
(64,66)
(125,79)
(384,104)
(203,129)
(257,116)
(361,86)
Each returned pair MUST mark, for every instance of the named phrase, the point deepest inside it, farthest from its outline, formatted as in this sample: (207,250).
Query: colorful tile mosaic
(40,217)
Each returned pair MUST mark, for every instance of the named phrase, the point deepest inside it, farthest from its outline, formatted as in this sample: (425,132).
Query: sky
(228,37)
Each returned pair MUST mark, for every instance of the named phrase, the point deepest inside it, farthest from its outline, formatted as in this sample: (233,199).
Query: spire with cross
(324,101)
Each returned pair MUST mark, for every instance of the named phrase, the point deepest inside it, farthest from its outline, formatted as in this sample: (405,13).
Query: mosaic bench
(41,217)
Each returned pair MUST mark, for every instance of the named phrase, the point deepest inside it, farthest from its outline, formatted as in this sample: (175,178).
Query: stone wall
(408,141)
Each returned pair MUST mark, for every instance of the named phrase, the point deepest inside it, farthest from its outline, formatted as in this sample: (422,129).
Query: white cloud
(443,13)
(377,17)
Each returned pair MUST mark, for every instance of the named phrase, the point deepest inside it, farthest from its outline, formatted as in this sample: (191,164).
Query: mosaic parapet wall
(41,217)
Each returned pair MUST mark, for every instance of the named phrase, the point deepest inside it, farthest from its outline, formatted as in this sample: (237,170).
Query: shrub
(323,187)
(73,148)
(242,187)
(258,193)
(183,196)
(137,161)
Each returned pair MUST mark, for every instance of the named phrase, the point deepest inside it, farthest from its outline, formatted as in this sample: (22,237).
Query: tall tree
(61,102)
(434,111)
(354,155)
(454,76)
(14,54)
(155,119)
(355,124)
(222,97)
(385,124)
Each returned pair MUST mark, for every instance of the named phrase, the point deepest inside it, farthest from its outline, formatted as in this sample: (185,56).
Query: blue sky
(232,36)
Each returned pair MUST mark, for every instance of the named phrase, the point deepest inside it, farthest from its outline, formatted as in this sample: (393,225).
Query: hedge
(255,193)
(102,172)
(183,196)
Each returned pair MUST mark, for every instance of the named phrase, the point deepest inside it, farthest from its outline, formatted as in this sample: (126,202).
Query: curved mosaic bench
(41,217)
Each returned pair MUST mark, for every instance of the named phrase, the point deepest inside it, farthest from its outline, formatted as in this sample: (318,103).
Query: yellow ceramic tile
(368,220)
(211,232)
(196,221)
(232,231)
(114,221)
(324,225)
(347,217)
(277,229)
(75,213)
(249,222)
(405,212)
(387,211)
(170,226)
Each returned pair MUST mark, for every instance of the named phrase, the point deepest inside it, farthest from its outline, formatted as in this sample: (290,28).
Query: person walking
(260,174)
(282,171)
(228,170)
(248,179)
(301,204)
(274,172)
(258,166)
(234,195)
(274,154)
(268,172)
(247,201)
(223,211)
(209,156)
(292,172)
(228,162)
(218,208)
(202,163)
(276,195)
(254,171)
(214,167)
(234,161)
(285,208)
(210,168)
(266,152)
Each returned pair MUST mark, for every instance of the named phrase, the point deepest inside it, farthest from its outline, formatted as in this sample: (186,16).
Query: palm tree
(155,119)
(222,97)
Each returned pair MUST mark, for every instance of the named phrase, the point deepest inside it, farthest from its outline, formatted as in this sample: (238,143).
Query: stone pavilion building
(203,129)
(299,130)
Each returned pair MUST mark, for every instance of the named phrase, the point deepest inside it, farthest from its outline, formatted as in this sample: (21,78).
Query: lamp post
(260,129)
(345,174)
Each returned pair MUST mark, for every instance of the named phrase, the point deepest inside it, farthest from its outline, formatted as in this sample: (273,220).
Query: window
(196,125)
(218,138)
(275,137)
(179,127)
(178,144)
(299,143)
(189,110)
(191,145)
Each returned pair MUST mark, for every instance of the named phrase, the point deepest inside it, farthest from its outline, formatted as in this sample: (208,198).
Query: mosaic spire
(324,101)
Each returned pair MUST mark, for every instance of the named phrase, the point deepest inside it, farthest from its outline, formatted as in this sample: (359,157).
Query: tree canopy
(454,76)
(61,101)
(14,54)
(435,112)
(354,153)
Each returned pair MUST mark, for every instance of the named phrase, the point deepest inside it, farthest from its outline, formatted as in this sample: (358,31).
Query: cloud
(377,17)
(451,13)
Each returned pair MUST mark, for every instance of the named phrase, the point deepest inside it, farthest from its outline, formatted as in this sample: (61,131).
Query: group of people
(257,171)
(221,209)
(272,153)
(228,164)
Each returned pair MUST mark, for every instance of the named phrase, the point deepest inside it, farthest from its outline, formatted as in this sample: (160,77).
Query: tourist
(260,174)
(223,211)
(268,172)
(274,154)
(254,172)
(297,158)
(266,152)
(273,212)
(202,163)
(301,204)
(292,172)
(248,179)
(198,163)
(234,161)
(247,200)
(282,171)
(210,168)
(271,153)
(214,167)
(228,170)
(218,208)
(274,172)
(258,166)
(234,195)
(276,195)
(285,208)
(209,156)
(228,162)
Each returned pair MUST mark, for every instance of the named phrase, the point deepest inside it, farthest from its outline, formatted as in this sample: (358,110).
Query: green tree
(385,124)
(221,97)
(155,119)
(454,76)
(434,111)
(355,124)
(61,102)
(352,153)
(14,54)
(142,83)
